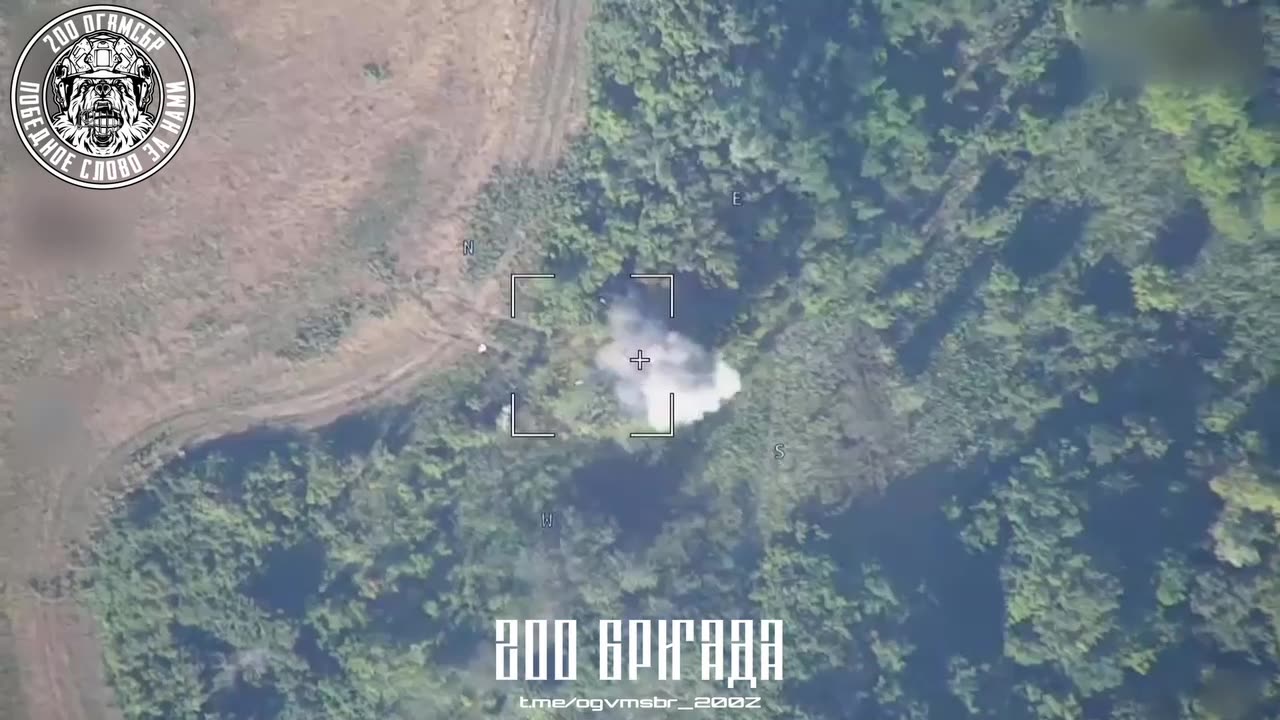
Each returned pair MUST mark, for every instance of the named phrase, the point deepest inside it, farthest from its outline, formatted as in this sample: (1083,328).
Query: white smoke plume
(700,379)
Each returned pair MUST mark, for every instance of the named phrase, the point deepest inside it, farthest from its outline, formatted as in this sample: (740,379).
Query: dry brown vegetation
(300,258)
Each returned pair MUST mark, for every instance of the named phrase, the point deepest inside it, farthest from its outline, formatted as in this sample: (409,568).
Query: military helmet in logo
(104,55)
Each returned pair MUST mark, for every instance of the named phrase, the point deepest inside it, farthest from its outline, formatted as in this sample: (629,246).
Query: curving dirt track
(334,156)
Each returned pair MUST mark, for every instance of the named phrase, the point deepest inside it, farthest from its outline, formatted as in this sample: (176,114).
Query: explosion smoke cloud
(700,379)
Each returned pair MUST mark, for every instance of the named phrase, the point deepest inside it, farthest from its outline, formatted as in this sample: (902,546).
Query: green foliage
(902,323)
(963,682)
(373,530)
(1227,153)
(799,587)
(1250,518)
(1153,289)
(319,332)
(512,211)
(1059,605)
(1173,579)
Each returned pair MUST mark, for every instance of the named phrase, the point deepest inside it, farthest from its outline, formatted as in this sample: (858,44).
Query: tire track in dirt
(561,95)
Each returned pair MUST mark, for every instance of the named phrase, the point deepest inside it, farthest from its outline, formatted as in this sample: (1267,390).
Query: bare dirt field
(299,259)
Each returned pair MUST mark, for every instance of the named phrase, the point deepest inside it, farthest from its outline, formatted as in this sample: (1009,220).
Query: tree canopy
(1018,330)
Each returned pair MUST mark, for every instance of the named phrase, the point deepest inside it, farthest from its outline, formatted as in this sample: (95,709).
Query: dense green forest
(1018,329)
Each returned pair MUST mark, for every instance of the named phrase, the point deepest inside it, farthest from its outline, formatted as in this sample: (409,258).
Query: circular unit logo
(102,97)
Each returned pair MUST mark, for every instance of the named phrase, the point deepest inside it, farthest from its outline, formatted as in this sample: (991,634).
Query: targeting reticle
(525,276)
(639,360)
(515,434)
(671,287)
(671,422)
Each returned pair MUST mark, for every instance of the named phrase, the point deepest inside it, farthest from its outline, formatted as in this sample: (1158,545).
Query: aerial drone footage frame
(960,368)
